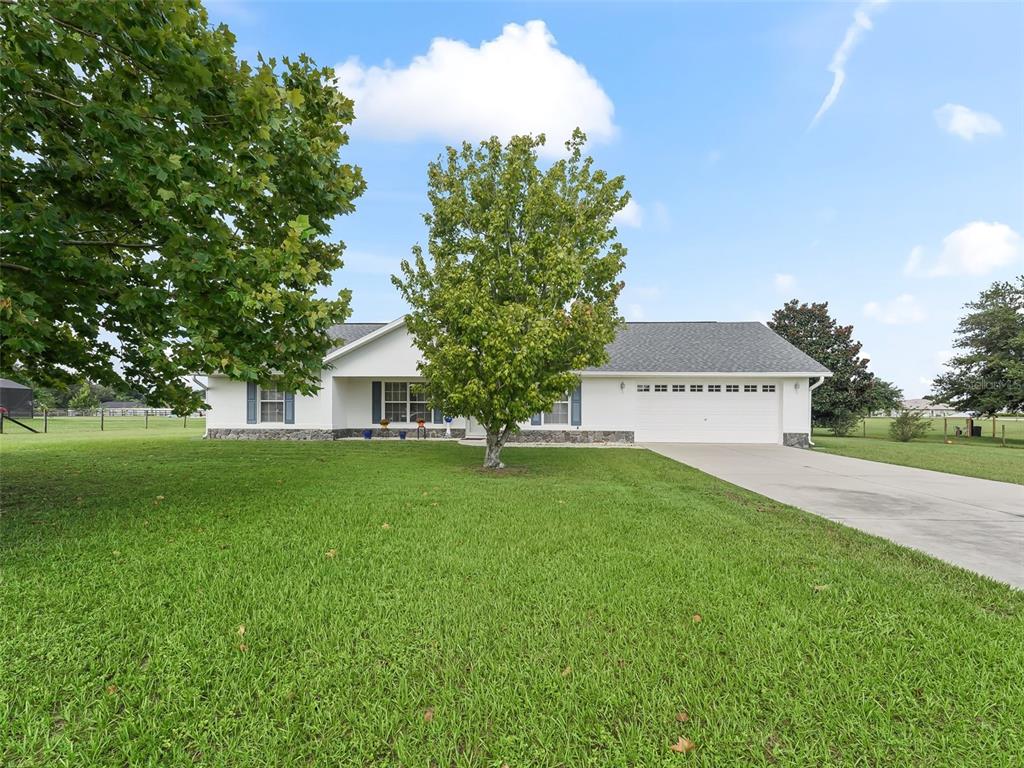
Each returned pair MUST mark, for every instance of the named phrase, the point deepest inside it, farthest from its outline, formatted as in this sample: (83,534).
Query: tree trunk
(495,442)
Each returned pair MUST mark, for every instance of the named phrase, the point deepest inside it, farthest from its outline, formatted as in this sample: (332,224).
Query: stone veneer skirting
(571,436)
(796,439)
(255,433)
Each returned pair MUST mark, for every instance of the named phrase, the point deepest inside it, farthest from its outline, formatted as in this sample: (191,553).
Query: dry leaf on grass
(386,526)
(697,618)
(111,689)
(331,552)
(567,671)
(241,630)
(243,647)
(683,746)
(682,717)
(820,587)
(428,715)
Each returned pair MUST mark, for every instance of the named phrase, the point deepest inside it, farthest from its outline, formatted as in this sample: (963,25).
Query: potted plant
(367,434)
(401,434)
(384,427)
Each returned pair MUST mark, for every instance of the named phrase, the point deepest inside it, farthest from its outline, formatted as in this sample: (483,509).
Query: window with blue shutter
(576,406)
(535,420)
(375,397)
(250,402)
(438,416)
(289,407)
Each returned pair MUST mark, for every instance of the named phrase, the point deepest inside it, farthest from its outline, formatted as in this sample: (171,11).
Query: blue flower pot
(401,434)
(367,434)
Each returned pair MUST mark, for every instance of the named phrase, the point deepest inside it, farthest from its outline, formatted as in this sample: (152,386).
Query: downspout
(810,396)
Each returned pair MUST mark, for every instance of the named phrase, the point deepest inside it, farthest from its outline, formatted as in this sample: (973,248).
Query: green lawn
(61,425)
(544,617)
(983,457)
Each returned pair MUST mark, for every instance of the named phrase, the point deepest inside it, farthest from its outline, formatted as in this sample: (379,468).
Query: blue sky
(902,201)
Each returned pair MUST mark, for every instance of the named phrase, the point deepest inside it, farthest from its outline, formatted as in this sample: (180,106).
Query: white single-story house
(700,382)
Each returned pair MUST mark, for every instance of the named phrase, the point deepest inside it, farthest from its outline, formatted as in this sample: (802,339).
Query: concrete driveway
(976,524)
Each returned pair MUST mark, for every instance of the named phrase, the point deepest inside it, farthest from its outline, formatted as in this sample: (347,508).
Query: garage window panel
(696,387)
(678,387)
(732,387)
(661,387)
(643,387)
(750,387)
(714,387)
(767,387)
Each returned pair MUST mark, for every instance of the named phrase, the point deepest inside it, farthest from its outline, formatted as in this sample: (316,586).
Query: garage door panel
(708,417)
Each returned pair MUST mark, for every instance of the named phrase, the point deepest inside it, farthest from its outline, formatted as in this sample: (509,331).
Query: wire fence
(101,420)
(1002,430)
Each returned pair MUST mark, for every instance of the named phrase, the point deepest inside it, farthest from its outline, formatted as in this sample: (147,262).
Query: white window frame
(410,402)
(270,395)
(554,416)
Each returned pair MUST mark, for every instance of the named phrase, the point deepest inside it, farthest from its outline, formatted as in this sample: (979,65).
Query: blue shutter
(250,402)
(289,407)
(576,406)
(535,420)
(375,397)
(438,416)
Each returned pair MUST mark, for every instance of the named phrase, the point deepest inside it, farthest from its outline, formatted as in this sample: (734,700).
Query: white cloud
(914,261)
(630,216)
(635,312)
(784,282)
(903,310)
(517,83)
(965,122)
(977,249)
(861,24)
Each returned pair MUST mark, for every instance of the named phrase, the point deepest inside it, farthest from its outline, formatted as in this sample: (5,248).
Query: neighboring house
(699,382)
(928,408)
(16,399)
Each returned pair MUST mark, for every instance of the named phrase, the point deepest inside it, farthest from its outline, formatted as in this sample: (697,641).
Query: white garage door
(708,412)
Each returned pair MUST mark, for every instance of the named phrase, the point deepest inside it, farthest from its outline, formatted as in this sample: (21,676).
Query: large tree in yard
(165,207)
(986,376)
(846,396)
(519,292)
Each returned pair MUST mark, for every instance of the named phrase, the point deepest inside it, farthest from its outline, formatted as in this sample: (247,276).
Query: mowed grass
(166,600)
(982,457)
(61,425)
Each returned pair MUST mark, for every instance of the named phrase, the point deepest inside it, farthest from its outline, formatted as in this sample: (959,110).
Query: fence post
(46,420)
(184,421)
(1004,435)
(993,427)
(945,429)
(1,422)
(147,418)
(101,419)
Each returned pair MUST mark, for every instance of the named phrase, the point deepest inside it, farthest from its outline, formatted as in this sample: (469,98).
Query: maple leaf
(683,746)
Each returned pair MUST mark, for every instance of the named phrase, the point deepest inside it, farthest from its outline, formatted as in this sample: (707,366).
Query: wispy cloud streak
(861,24)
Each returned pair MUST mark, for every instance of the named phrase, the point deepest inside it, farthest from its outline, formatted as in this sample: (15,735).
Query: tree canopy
(165,207)
(986,376)
(847,395)
(521,285)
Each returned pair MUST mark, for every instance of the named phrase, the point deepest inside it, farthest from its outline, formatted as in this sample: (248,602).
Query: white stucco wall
(344,402)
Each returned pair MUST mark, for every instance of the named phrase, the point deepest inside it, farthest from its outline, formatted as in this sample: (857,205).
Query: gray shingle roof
(698,347)
(349,332)
(705,347)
